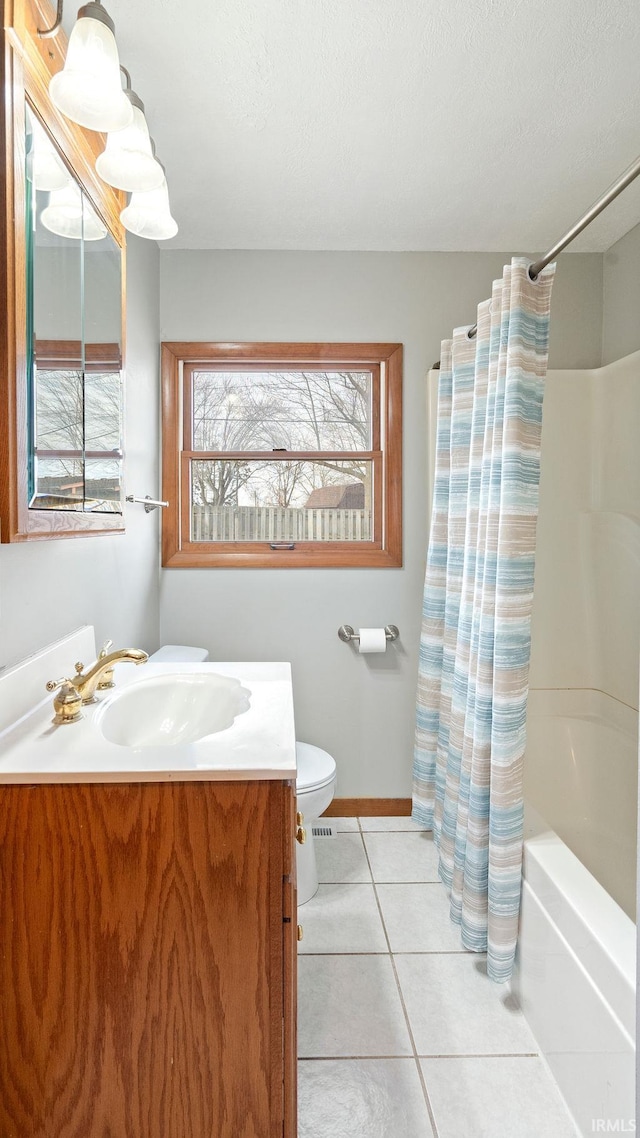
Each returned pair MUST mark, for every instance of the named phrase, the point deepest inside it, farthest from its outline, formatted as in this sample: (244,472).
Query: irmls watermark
(613,1125)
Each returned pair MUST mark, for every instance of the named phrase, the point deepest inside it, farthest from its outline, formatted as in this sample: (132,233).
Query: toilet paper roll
(372,640)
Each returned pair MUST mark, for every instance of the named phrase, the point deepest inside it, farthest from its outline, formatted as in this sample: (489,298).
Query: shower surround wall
(620,336)
(581,769)
(586,620)
(361,709)
(586,623)
(576,973)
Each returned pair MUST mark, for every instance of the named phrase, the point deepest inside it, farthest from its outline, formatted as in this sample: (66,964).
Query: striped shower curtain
(475,642)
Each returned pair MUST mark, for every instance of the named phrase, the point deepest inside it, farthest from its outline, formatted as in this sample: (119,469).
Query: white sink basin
(171,710)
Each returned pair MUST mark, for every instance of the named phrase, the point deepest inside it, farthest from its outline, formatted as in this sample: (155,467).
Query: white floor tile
(417,918)
(349,1006)
(342,859)
(454,1009)
(361,1098)
(495,1098)
(342,918)
(343,825)
(402,857)
(389,824)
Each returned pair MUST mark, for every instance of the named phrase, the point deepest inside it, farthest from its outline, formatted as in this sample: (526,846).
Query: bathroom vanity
(148,924)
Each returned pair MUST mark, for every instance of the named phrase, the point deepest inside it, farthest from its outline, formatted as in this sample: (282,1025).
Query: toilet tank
(179,654)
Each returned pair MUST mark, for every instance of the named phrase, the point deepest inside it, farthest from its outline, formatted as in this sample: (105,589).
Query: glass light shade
(49,171)
(88,89)
(149,215)
(127,160)
(68,214)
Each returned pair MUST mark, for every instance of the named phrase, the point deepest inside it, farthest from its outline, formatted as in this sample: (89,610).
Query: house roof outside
(349,497)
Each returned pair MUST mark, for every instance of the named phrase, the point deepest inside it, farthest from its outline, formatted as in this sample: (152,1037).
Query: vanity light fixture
(127,161)
(88,89)
(69,214)
(149,214)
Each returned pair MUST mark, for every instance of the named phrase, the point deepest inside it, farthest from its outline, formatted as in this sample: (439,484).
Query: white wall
(47,588)
(621,298)
(61,274)
(360,708)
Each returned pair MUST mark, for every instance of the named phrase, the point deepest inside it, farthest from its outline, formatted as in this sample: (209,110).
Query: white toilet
(315,788)
(315,782)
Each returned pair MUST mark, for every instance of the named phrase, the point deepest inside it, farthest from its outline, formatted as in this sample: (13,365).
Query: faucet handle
(51,685)
(68,703)
(106,648)
(79,667)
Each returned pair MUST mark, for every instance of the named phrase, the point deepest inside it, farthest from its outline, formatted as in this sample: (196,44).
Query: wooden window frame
(385,551)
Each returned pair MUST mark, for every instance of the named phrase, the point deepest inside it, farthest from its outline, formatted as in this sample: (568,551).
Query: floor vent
(322,830)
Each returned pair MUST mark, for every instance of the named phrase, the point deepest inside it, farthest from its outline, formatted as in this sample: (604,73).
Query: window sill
(284,559)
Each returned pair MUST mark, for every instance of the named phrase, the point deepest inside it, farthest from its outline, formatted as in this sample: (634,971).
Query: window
(76,427)
(282,455)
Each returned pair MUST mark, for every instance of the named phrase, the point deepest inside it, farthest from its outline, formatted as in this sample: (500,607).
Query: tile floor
(401,1034)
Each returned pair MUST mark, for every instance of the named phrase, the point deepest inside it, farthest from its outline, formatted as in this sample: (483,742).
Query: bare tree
(283,411)
(225,419)
(339,415)
(76,413)
(59,407)
(103,410)
(286,481)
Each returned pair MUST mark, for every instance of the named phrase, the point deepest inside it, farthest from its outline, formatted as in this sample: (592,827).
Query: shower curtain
(475,642)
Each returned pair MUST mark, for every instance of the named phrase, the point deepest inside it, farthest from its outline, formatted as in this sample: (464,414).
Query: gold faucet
(82,688)
(106,679)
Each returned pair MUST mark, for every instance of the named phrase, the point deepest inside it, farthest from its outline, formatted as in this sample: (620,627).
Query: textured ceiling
(388,124)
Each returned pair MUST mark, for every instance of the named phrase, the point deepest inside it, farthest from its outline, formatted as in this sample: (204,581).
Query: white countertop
(260,744)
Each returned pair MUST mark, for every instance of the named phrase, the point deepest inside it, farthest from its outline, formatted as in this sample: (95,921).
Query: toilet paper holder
(347,633)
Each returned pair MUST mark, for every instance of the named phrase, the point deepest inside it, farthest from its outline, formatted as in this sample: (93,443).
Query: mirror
(74,340)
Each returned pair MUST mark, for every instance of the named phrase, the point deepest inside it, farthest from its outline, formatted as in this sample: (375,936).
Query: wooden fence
(275,523)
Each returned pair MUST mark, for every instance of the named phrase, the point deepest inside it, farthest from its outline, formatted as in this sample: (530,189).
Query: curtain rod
(536,268)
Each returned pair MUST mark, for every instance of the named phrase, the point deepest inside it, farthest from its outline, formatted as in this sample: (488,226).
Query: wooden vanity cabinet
(148,960)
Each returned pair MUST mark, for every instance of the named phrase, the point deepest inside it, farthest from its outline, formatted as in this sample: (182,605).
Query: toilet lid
(179,654)
(315,767)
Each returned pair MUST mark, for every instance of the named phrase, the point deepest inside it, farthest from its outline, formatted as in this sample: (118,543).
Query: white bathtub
(576,969)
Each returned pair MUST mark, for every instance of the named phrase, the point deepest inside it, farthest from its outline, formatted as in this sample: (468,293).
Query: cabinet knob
(299,818)
(301,835)
(300,932)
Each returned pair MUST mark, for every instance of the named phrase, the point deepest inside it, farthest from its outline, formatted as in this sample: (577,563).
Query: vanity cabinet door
(143,980)
(290,964)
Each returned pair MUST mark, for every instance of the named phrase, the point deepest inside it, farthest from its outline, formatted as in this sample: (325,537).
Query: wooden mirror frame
(27,62)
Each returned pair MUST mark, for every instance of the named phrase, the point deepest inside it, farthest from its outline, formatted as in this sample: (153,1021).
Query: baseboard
(369,808)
